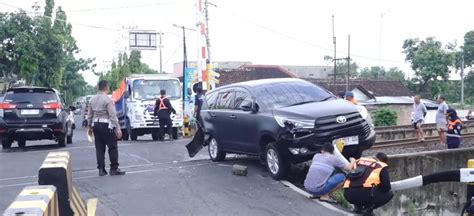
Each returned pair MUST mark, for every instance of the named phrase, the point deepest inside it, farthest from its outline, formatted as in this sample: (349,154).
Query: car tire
(175,133)
(69,137)
(6,143)
(62,140)
(276,164)
(125,135)
(215,153)
(155,136)
(21,143)
(133,135)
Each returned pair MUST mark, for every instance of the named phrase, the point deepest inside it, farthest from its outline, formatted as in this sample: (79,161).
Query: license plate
(30,112)
(345,141)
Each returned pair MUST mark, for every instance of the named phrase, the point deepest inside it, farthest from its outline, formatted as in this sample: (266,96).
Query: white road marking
(309,196)
(17,185)
(17,178)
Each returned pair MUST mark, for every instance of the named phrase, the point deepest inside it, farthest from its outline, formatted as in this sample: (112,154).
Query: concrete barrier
(35,201)
(56,170)
(407,131)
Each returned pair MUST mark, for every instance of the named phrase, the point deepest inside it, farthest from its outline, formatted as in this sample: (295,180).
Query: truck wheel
(276,163)
(125,135)
(133,135)
(21,143)
(69,137)
(61,140)
(6,143)
(175,133)
(215,153)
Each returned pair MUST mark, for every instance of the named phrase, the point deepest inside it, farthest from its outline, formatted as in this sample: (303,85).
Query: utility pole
(334,59)
(36,8)
(161,55)
(348,61)
(462,78)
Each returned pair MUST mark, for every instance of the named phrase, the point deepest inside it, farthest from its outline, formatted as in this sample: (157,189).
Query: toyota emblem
(341,119)
(29,105)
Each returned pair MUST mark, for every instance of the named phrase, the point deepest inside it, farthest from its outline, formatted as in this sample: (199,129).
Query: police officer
(104,124)
(369,187)
(163,110)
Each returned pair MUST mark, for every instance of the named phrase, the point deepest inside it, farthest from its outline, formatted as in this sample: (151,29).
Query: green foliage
(341,67)
(376,72)
(431,63)
(385,117)
(339,196)
(468,48)
(41,51)
(124,67)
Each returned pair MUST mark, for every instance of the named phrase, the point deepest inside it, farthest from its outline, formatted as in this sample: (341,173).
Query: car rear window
(31,96)
(286,94)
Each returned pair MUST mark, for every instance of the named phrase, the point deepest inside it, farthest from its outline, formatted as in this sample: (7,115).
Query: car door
(222,120)
(244,122)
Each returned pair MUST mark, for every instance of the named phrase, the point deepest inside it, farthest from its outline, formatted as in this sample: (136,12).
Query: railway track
(412,142)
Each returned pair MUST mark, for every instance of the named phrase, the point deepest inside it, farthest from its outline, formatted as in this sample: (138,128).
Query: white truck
(136,104)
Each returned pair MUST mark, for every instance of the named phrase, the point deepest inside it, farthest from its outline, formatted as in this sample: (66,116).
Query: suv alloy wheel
(214,152)
(275,162)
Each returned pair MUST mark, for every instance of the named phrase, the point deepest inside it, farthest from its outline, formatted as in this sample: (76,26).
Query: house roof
(373,87)
(254,72)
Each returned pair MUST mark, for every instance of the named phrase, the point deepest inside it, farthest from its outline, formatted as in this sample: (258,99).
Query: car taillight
(53,108)
(7,106)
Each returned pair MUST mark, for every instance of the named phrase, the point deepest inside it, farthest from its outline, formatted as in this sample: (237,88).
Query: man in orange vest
(368,184)
(163,110)
(454,129)
(350,97)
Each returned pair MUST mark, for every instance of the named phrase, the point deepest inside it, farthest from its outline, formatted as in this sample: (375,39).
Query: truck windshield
(150,89)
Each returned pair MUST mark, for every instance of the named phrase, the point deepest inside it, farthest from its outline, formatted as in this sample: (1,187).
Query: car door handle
(233,117)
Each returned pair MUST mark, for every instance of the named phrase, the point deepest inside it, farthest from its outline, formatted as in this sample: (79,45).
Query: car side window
(210,102)
(242,99)
(225,100)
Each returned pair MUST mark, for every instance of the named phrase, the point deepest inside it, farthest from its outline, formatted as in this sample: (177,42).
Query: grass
(339,195)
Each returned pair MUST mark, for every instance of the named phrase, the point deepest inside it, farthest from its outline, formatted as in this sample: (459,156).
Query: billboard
(142,40)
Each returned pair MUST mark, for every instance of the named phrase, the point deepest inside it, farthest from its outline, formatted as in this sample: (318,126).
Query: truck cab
(136,112)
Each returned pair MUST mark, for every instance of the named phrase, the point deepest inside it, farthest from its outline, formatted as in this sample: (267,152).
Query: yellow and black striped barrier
(56,170)
(35,201)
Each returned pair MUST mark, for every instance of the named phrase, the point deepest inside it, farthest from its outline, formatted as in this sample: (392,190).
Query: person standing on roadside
(441,119)
(454,129)
(420,111)
(163,110)
(103,123)
(350,97)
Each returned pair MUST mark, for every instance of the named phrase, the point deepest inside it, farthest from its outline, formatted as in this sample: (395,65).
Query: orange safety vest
(371,177)
(162,103)
(452,124)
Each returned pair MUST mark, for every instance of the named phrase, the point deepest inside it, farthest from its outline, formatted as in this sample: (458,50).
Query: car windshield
(31,97)
(290,93)
(150,89)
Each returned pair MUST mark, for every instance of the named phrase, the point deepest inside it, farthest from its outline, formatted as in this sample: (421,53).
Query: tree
(468,49)
(431,63)
(385,117)
(341,67)
(376,72)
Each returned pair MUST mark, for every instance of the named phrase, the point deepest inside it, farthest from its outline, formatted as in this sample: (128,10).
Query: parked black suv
(283,121)
(34,113)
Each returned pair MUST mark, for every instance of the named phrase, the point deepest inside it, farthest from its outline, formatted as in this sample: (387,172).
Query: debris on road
(239,170)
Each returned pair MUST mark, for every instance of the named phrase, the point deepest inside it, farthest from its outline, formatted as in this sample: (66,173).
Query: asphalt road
(161,180)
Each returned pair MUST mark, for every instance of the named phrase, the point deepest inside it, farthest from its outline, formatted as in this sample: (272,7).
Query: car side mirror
(247,108)
(255,107)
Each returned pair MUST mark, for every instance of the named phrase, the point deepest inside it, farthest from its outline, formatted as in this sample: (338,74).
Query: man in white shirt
(441,119)
(419,113)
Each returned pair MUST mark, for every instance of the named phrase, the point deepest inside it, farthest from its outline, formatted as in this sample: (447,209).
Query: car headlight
(283,122)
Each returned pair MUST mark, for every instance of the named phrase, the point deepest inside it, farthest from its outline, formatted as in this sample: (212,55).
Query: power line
(121,7)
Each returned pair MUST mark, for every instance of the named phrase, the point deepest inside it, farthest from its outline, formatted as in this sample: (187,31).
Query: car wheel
(69,137)
(133,135)
(277,165)
(21,143)
(125,135)
(215,153)
(155,136)
(6,143)
(175,133)
(62,140)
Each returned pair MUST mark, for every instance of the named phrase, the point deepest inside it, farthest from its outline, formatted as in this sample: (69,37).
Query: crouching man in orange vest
(163,110)
(368,184)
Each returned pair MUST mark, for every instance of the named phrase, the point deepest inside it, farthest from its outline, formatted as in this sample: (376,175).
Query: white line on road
(17,185)
(309,196)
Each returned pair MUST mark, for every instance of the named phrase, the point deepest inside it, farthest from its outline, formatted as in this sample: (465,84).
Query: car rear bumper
(31,131)
(311,146)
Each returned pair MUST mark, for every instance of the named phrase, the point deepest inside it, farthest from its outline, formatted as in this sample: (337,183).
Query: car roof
(32,88)
(261,82)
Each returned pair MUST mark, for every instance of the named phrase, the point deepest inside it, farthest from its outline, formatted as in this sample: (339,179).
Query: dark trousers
(165,121)
(105,137)
(362,197)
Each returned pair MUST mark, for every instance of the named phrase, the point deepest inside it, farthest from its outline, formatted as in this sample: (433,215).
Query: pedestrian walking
(163,110)
(321,179)
(419,117)
(198,101)
(368,184)
(441,119)
(103,123)
(454,129)
(350,97)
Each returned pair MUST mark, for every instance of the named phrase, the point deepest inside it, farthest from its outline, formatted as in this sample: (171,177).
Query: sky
(277,32)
